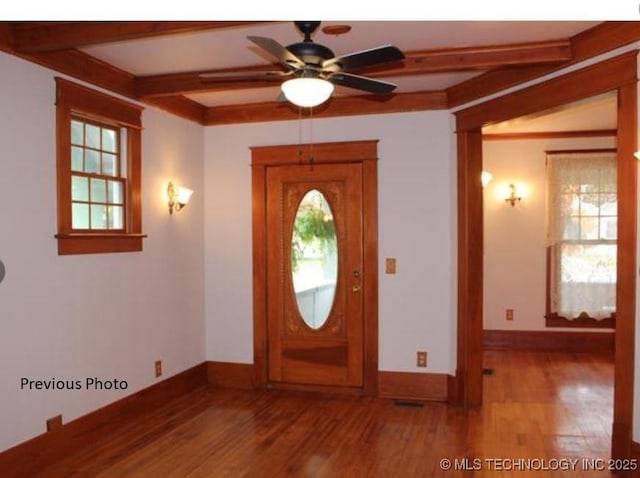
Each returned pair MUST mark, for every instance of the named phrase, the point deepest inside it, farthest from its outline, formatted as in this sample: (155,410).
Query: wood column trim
(468,379)
(626,266)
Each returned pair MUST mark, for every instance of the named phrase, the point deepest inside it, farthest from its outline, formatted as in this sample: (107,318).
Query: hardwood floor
(537,406)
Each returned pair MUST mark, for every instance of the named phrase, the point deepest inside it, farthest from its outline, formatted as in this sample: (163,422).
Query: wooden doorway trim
(363,152)
(617,74)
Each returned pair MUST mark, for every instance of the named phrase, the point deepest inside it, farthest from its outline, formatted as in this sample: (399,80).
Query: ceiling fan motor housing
(310,52)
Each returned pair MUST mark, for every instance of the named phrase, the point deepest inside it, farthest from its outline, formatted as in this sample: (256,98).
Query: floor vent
(408,403)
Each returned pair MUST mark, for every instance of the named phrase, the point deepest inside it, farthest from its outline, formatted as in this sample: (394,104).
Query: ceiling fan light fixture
(307,92)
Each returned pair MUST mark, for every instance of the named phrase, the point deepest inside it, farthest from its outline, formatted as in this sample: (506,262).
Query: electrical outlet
(509,314)
(421,358)
(54,423)
(158,368)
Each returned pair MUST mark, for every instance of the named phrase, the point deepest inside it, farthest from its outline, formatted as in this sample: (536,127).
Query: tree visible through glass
(314,258)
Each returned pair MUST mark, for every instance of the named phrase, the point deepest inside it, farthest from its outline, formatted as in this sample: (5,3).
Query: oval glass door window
(314,259)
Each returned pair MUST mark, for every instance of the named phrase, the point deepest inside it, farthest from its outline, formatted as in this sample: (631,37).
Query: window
(98,182)
(581,238)
(99,172)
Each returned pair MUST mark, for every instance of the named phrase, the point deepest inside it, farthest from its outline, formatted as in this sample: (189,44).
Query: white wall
(515,256)
(106,316)
(417,207)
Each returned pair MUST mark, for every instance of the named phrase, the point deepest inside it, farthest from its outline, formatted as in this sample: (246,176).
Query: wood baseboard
(43,450)
(230,375)
(413,386)
(635,451)
(549,341)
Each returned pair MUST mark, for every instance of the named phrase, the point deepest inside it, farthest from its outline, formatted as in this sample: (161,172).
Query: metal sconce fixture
(179,199)
(513,199)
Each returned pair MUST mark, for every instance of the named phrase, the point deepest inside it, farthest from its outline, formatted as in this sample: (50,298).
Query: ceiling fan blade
(362,59)
(227,76)
(279,52)
(361,83)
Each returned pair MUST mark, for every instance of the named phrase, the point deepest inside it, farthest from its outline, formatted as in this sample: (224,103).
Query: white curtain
(582,233)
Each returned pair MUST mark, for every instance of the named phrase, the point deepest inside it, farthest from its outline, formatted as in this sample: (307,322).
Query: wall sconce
(513,198)
(178,200)
(485,178)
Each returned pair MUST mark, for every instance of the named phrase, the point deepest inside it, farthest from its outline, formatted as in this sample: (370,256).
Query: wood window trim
(74,100)
(581,322)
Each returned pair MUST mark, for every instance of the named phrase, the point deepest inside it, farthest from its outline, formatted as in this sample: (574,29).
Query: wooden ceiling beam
(86,68)
(480,58)
(180,106)
(29,37)
(337,106)
(420,62)
(583,83)
(603,37)
(192,82)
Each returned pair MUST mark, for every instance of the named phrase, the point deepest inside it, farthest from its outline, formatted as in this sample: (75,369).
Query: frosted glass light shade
(178,197)
(184,194)
(307,92)
(486,178)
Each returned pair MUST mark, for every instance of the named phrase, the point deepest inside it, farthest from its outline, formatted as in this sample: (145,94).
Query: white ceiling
(229,48)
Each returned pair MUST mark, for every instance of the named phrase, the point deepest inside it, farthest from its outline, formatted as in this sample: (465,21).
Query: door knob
(356,288)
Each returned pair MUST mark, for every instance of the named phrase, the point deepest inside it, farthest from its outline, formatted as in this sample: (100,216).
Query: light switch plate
(390,265)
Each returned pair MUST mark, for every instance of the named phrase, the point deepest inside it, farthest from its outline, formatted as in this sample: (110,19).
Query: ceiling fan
(312,70)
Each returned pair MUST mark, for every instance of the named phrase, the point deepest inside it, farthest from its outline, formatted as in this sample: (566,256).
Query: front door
(314,236)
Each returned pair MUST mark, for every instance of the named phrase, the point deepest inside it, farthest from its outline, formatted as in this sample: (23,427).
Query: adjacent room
(206,271)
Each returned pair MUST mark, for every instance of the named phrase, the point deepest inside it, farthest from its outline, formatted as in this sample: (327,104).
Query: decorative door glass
(314,259)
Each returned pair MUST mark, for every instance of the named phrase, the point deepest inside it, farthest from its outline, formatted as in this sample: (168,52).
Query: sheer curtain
(582,233)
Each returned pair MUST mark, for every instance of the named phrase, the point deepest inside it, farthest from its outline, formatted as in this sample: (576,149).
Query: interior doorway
(618,74)
(518,272)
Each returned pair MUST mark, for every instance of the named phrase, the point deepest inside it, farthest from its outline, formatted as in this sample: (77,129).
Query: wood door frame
(362,152)
(616,74)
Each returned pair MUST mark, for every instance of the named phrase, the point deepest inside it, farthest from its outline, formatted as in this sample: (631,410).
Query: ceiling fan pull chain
(311,158)
(300,153)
